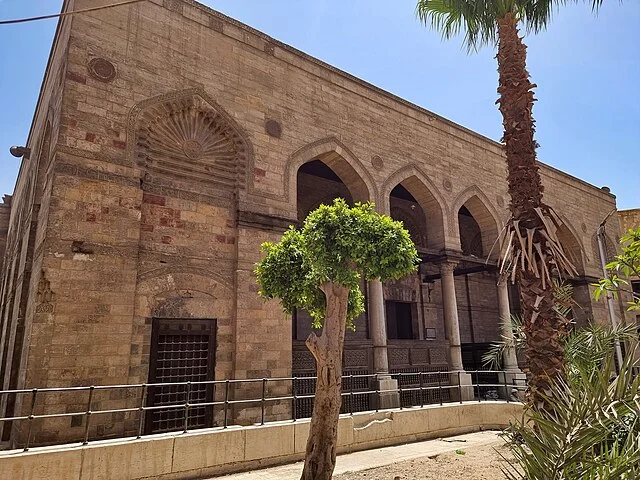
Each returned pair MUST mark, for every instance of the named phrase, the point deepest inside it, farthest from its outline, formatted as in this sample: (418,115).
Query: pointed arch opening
(323,177)
(409,200)
(408,194)
(316,184)
(319,181)
(572,247)
(477,229)
(333,156)
(478,312)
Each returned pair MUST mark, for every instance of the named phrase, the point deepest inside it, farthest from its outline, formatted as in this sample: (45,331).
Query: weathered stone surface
(149,195)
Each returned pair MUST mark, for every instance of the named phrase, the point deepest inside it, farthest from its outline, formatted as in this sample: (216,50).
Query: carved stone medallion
(102,69)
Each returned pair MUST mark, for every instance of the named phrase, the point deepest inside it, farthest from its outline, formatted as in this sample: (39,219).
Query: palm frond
(494,356)
(476,18)
(588,348)
(593,431)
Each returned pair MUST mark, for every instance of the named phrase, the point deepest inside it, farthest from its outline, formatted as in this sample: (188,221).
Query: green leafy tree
(622,268)
(318,268)
(530,249)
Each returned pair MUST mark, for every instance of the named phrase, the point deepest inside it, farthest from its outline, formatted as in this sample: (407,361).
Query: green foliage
(593,431)
(478,18)
(625,265)
(588,349)
(495,354)
(338,244)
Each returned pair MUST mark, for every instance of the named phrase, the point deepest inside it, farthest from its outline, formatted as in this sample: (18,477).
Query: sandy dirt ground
(477,463)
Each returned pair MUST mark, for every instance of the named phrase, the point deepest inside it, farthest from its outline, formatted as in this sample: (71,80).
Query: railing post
(377,396)
(88,419)
(400,388)
(295,400)
(351,394)
(264,390)
(34,393)
(141,409)
(186,408)
(440,387)
(459,387)
(226,401)
(478,385)
(421,392)
(506,388)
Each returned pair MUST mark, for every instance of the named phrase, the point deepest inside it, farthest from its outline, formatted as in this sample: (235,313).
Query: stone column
(388,396)
(514,379)
(450,306)
(378,327)
(510,361)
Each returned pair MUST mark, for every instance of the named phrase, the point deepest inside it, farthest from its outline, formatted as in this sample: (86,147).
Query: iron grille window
(182,350)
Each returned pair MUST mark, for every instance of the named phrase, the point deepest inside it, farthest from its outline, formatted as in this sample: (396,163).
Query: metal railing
(425,383)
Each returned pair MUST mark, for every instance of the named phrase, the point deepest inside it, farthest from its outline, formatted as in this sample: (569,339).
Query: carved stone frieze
(44,296)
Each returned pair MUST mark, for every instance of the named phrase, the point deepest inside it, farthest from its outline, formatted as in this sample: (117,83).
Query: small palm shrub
(593,430)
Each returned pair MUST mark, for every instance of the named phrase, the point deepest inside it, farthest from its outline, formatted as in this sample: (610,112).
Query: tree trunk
(542,327)
(320,458)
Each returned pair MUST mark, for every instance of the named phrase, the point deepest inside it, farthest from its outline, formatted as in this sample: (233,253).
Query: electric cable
(66,14)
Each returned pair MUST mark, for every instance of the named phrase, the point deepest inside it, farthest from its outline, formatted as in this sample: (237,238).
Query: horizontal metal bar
(254,401)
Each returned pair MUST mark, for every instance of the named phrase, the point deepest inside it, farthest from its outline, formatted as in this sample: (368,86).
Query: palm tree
(530,249)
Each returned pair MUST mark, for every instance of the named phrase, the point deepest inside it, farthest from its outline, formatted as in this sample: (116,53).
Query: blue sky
(587,69)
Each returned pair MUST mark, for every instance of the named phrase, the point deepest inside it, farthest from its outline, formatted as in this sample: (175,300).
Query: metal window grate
(182,351)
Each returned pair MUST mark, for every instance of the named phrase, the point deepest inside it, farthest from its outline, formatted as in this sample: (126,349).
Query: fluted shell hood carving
(187,140)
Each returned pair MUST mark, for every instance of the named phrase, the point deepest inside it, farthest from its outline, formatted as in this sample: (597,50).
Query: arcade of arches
(441,318)
(139,213)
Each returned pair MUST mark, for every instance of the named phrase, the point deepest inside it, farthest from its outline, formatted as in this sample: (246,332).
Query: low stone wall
(209,452)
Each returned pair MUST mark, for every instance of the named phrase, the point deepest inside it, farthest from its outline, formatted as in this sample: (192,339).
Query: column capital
(447,266)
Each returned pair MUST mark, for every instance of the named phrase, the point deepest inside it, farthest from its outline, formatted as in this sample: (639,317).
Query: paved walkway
(354,462)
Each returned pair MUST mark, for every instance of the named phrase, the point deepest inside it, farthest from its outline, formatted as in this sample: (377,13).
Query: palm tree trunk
(320,458)
(543,351)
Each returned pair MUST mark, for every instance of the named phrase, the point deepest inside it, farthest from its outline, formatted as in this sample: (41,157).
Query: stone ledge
(220,451)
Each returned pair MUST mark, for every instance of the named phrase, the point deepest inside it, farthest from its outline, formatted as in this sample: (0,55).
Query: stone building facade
(169,142)
(630,220)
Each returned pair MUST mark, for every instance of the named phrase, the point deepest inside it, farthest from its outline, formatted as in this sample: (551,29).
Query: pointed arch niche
(335,156)
(187,141)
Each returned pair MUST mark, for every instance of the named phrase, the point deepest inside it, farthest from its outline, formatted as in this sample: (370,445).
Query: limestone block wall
(629,219)
(5,213)
(262,333)
(169,139)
